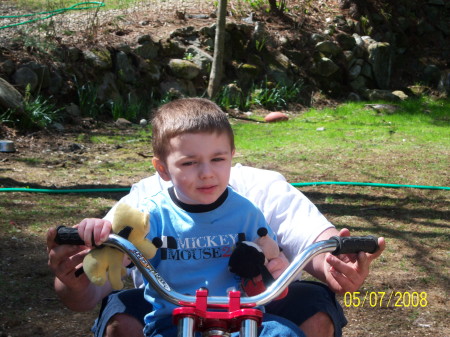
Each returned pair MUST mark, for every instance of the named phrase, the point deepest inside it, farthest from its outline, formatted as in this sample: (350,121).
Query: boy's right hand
(64,260)
(94,231)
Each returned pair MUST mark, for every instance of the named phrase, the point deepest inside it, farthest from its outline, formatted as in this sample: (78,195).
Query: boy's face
(198,165)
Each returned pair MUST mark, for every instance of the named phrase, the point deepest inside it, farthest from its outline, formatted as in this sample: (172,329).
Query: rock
(10,98)
(200,58)
(400,94)
(42,72)
(347,42)
(431,75)
(184,32)
(381,62)
(150,71)
(24,77)
(56,83)
(275,116)
(325,67)
(57,126)
(383,108)
(354,72)
(178,87)
(171,48)
(328,48)
(124,68)
(74,54)
(122,122)
(147,49)
(75,147)
(73,112)
(354,97)
(98,58)
(444,83)
(107,90)
(359,84)
(380,95)
(7,67)
(184,69)
(246,73)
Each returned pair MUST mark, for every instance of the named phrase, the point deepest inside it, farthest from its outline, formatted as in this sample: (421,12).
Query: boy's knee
(318,325)
(123,325)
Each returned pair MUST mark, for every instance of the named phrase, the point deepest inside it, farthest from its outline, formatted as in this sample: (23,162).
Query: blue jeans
(304,300)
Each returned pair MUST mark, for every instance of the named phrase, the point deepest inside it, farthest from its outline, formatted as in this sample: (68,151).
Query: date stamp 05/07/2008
(383,299)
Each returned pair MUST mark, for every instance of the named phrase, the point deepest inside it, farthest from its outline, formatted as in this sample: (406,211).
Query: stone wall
(340,61)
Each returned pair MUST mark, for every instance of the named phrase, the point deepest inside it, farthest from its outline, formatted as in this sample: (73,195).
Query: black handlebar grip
(355,244)
(68,236)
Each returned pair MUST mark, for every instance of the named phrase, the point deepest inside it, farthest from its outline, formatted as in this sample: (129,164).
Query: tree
(217,65)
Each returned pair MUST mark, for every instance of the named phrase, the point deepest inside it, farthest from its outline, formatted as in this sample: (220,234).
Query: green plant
(258,4)
(260,43)
(129,110)
(266,95)
(274,97)
(365,25)
(188,56)
(229,98)
(5,117)
(87,99)
(38,111)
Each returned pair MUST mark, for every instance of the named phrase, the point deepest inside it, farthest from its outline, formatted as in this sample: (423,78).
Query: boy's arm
(343,273)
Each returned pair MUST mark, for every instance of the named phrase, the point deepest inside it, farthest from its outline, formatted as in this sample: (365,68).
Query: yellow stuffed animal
(104,262)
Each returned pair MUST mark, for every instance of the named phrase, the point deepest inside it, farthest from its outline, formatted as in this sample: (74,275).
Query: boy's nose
(206,171)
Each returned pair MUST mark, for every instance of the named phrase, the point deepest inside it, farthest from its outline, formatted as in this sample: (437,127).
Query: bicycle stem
(272,292)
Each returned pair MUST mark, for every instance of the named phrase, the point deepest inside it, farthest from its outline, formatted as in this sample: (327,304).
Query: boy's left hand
(277,265)
(347,272)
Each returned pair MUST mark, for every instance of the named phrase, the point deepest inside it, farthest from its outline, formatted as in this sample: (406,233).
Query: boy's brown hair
(187,115)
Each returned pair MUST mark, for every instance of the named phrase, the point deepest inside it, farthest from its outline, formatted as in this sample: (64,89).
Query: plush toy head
(126,216)
(248,259)
(106,262)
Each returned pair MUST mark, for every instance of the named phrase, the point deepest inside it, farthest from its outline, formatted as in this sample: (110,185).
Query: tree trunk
(273,7)
(217,66)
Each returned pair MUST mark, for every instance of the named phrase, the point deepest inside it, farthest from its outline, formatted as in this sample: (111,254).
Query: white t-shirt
(292,216)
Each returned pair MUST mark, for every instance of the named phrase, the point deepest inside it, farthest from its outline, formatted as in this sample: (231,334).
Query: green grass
(353,141)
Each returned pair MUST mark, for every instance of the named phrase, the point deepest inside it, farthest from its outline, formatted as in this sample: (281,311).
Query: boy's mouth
(207,189)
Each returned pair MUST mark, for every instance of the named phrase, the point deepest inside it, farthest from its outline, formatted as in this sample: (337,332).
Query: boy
(193,146)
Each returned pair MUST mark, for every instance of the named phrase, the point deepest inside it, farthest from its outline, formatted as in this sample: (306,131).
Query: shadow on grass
(420,223)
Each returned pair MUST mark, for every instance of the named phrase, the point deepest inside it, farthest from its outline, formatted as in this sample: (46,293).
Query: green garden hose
(370,184)
(127,189)
(88,5)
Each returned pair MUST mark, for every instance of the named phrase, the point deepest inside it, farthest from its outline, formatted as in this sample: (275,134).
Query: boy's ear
(161,168)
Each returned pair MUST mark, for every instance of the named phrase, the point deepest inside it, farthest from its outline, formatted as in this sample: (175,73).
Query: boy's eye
(218,159)
(188,163)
